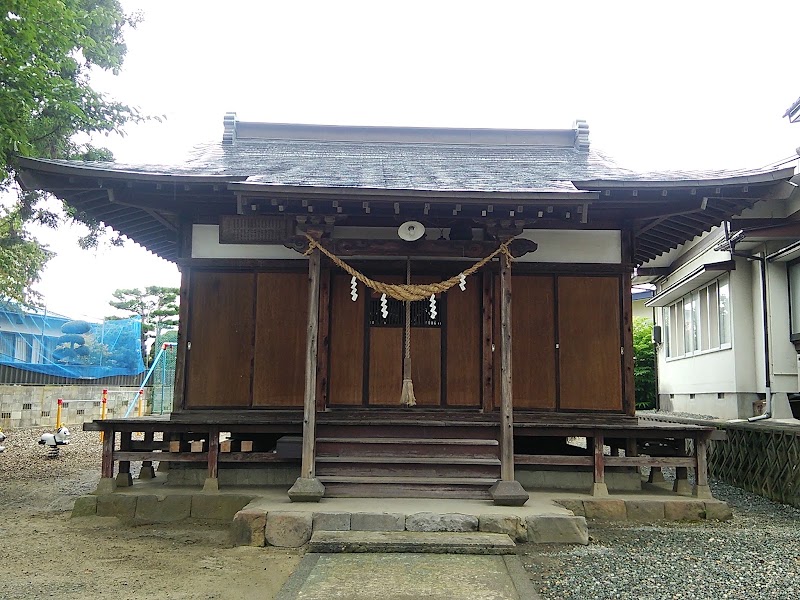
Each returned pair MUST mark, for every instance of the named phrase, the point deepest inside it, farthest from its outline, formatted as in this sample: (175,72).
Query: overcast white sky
(679,85)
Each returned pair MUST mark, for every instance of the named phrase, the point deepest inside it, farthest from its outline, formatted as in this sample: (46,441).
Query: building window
(794,300)
(699,322)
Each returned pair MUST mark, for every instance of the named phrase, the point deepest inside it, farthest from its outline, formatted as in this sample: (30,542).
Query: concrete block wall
(36,405)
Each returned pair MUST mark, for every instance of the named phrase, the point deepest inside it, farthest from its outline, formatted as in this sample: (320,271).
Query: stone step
(411,542)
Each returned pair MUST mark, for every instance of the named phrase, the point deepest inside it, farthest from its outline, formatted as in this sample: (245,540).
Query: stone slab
(574,505)
(331,521)
(411,542)
(557,529)
(116,505)
(377,522)
(248,528)
(648,511)
(717,510)
(217,507)
(453,522)
(511,525)
(605,509)
(288,529)
(85,506)
(164,509)
(684,510)
(408,576)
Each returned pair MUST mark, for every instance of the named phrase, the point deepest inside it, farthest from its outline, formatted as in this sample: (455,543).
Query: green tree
(48,109)
(157,306)
(644,363)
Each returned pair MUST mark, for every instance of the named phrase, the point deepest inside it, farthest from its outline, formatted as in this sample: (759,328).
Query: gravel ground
(754,556)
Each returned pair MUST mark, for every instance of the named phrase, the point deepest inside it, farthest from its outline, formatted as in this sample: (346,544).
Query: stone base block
(121,506)
(684,510)
(702,492)
(377,522)
(656,475)
(124,480)
(718,511)
(509,493)
(307,489)
(683,487)
(331,521)
(106,485)
(605,509)
(166,509)
(288,529)
(599,489)
(248,528)
(211,484)
(453,522)
(573,505)
(147,472)
(648,511)
(85,506)
(511,525)
(557,529)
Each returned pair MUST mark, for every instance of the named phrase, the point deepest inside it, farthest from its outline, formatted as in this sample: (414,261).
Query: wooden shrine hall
(384,311)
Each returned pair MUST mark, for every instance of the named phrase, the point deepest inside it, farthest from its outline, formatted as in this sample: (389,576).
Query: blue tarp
(56,345)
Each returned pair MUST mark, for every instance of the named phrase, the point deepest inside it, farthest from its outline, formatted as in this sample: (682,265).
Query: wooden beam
(178,401)
(107,463)
(506,389)
(628,385)
(309,401)
(213,452)
(599,464)
(398,247)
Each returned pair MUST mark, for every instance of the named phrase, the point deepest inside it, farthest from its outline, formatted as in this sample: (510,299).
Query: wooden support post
(308,488)
(212,481)
(324,339)
(147,471)
(507,491)
(107,485)
(681,485)
(124,478)
(701,488)
(599,488)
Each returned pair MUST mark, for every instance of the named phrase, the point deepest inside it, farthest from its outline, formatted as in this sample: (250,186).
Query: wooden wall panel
(590,342)
(220,330)
(426,365)
(533,342)
(346,344)
(281,322)
(463,329)
(385,365)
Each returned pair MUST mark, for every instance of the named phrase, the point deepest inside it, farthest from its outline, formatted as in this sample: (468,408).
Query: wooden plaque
(240,229)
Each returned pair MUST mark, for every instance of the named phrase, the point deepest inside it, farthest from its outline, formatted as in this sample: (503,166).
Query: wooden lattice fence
(761,459)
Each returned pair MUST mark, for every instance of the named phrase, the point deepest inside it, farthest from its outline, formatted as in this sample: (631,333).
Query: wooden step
(408,469)
(406,430)
(410,447)
(487,481)
(405,490)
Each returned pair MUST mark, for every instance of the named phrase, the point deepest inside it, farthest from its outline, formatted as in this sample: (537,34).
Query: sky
(679,85)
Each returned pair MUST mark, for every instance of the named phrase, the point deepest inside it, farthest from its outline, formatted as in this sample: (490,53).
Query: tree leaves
(48,48)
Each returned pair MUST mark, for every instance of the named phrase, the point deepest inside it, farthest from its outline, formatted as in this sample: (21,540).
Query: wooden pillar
(307,488)
(506,382)
(701,488)
(107,485)
(507,491)
(599,487)
(147,471)
(124,478)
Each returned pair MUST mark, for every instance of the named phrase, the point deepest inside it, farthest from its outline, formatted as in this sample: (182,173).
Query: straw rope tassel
(407,393)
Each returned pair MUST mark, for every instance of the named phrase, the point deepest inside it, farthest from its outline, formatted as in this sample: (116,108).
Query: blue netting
(56,345)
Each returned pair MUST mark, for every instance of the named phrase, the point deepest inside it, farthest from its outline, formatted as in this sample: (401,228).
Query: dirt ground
(44,552)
